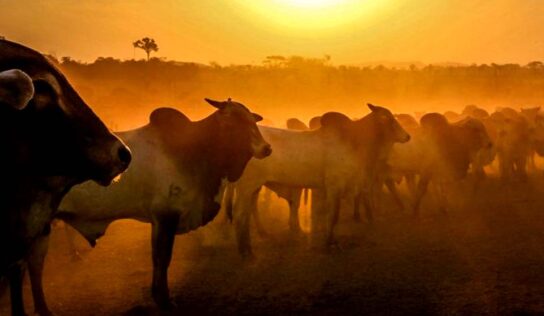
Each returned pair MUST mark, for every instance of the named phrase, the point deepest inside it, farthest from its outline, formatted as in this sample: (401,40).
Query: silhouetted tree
(274,60)
(147,44)
(535,65)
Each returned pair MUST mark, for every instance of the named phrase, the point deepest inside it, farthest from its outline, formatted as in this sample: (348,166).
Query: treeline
(125,91)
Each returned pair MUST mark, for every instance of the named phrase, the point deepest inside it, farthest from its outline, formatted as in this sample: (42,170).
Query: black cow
(52,141)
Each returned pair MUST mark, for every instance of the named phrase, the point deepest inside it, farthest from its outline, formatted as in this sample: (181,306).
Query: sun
(306,17)
(309,4)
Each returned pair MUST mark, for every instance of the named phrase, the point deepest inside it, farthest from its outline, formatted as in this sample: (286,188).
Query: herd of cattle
(181,171)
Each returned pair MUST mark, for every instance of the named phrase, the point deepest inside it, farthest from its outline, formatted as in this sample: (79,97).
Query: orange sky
(245,31)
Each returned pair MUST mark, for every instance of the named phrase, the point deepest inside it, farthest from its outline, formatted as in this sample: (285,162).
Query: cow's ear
(257,117)
(336,121)
(372,107)
(217,104)
(167,118)
(16,88)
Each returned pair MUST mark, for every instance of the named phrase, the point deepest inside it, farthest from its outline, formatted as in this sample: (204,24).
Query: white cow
(174,181)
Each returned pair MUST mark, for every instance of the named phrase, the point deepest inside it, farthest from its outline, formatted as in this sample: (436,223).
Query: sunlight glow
(312,3)
(305,17)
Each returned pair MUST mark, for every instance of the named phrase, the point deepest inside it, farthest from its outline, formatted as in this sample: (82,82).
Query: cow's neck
(206,147)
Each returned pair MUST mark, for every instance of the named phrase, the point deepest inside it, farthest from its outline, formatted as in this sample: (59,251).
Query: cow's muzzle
(263,152)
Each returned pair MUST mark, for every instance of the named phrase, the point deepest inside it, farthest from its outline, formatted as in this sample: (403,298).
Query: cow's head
(386,125)
(474,134)
(56,134)
(240,134)
(372,137)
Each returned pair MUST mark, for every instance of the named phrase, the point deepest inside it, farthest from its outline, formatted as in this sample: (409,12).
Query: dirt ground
(486,257)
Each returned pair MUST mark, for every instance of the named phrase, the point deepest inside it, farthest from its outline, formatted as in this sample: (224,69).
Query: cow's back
(300,158)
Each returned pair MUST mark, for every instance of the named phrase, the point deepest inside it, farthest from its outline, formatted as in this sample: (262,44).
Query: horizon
(236,32)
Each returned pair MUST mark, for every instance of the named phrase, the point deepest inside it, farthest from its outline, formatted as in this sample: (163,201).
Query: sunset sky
(245,31)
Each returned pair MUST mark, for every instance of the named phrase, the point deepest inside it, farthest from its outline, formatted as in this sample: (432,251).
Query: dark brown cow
(175,181)
(50,144)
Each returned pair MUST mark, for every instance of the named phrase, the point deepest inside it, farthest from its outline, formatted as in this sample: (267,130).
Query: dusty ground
(485,257)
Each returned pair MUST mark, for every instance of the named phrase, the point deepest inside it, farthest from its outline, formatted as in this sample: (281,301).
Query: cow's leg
(531,163)
(333,210)
(241,220)
(163,235)
(390,184)
(16,274)
(35,268)
(442,198)
(506,167)
(294,205)
(368,198)
(421,190)
(228,200)
(254,207)
(411,184)
(318,219)
(357,207)
(521,167)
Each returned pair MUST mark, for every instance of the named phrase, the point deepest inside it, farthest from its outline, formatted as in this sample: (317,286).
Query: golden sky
(245,31)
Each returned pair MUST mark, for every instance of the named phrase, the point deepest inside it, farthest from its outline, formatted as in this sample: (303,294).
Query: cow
(52,141)
(441,152)
(512,134)
(339,157)
(474,112)
(535,119)
(179,169)
(388,176)
(289,193)
(452,116)
(315,122)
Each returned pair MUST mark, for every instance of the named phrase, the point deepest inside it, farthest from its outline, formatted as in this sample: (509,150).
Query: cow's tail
(228,201)
(305,192)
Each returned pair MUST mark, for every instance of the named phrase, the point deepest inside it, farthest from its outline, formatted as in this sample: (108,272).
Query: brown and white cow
(338,158)
(51,141)
(177,175)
